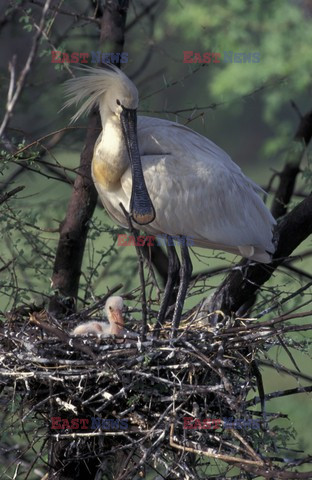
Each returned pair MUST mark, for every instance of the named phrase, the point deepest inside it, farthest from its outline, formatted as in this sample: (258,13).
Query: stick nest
(206,373)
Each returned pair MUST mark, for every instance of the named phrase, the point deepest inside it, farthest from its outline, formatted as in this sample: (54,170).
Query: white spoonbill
(113,309)
(170,179)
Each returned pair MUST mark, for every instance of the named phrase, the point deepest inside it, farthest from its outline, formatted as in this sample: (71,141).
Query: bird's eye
(111,308)
(118,102)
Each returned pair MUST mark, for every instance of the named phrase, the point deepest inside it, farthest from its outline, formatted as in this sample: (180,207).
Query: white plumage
(113,310)
(194,186)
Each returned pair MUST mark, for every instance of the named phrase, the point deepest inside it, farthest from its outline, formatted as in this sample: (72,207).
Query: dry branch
(292,166)
(242,283)
(73,235)
(74,230)
(75,227)
(6,196)
(203,374)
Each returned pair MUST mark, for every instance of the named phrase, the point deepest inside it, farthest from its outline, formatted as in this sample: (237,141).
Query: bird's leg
(135,233)
(185,276)
(173,274)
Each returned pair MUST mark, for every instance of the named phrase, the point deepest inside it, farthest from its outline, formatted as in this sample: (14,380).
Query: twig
(282,393)
(284,300)
(63,11)
(61,334)
(212,453)
(144,12)
(6,196)
(13,97)
(281,368)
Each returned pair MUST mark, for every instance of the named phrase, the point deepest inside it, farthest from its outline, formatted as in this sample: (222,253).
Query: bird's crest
(93,86)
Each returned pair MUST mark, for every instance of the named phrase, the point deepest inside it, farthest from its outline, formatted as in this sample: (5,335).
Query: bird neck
(116,328)
(110,158)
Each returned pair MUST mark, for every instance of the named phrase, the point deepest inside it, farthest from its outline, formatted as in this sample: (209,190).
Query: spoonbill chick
(113,310)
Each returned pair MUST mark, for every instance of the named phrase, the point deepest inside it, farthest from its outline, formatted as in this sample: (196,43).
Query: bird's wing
(198,191)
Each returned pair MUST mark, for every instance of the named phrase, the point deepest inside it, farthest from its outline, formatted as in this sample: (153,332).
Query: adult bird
(113,310)
(170,179)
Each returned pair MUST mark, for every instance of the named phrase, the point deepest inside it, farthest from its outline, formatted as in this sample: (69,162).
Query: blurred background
(251,110)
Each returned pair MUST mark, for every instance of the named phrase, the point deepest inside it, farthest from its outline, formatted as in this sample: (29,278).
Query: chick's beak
(141,207)
(118,319)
